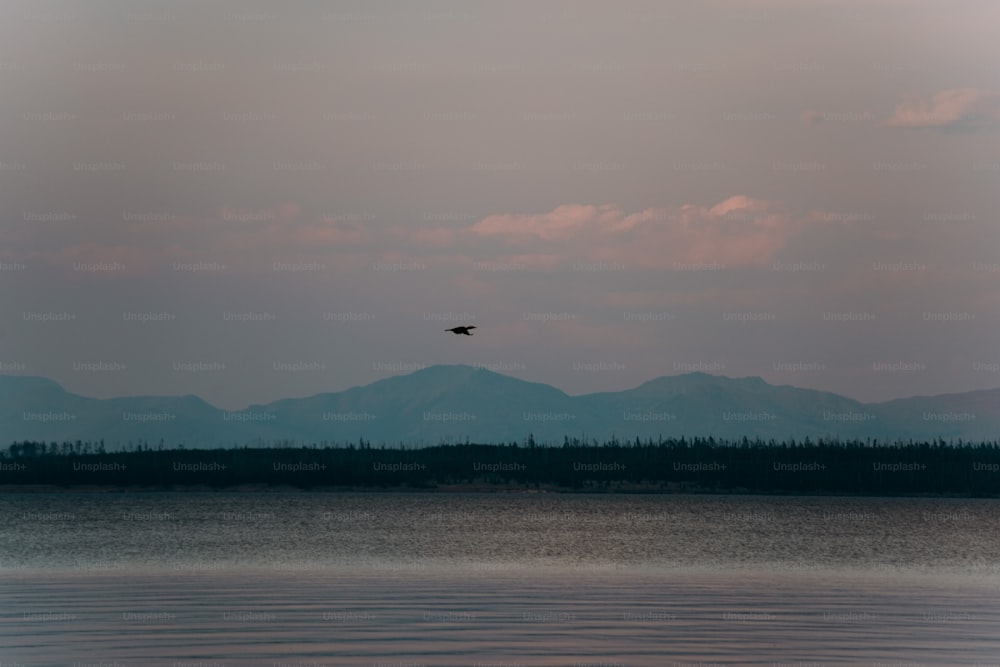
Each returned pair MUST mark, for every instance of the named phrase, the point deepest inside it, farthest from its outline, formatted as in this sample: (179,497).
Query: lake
(491,580)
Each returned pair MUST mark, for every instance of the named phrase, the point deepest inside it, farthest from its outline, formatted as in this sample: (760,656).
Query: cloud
(738,203)
(736,232)
(811,117)
(561,222)
(739,231)
(954,108)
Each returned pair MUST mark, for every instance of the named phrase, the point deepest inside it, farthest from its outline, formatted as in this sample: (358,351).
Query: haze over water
(511,579)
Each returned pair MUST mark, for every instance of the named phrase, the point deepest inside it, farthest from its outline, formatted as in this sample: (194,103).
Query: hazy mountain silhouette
(455,403)
(973,415)
(40,409)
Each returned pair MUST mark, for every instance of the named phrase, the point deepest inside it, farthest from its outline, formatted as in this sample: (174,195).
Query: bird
(462,330)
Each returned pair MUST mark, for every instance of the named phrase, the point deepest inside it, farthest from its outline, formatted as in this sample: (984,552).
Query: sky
(251,201)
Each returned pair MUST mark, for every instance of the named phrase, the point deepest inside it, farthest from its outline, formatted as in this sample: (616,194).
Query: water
(497,579)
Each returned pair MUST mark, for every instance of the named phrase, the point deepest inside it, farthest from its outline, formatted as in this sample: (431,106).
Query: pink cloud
(738,203)
(289,211)
(958,107)
(257,233)
(811,117)
(738,231)
(559,223)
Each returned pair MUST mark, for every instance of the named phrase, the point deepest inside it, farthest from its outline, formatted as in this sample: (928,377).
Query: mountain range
(455,403)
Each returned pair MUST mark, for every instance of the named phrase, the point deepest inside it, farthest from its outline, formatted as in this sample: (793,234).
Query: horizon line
(481,367)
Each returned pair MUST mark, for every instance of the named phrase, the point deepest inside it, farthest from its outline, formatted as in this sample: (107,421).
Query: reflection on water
(425,579)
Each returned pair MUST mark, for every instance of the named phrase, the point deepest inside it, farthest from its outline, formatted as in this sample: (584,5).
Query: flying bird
(462,330)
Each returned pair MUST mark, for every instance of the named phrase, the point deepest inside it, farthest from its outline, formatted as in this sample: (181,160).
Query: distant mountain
(455,403)
(427,406)
(702,404)
(34,408)
(972,415)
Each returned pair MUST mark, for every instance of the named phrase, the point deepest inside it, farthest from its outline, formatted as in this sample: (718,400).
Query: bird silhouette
(462,330)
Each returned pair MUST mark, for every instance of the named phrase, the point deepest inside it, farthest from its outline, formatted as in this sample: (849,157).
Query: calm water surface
(497,579)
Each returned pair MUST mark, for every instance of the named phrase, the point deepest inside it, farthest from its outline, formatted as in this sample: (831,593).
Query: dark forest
(697,465)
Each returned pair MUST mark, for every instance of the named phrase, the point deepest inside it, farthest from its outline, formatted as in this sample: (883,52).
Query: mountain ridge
(453,403)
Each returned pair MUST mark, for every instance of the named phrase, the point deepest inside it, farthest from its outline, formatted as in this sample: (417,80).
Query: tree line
(696,465)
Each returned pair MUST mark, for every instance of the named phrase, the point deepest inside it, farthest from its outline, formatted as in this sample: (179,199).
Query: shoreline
(484,489)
